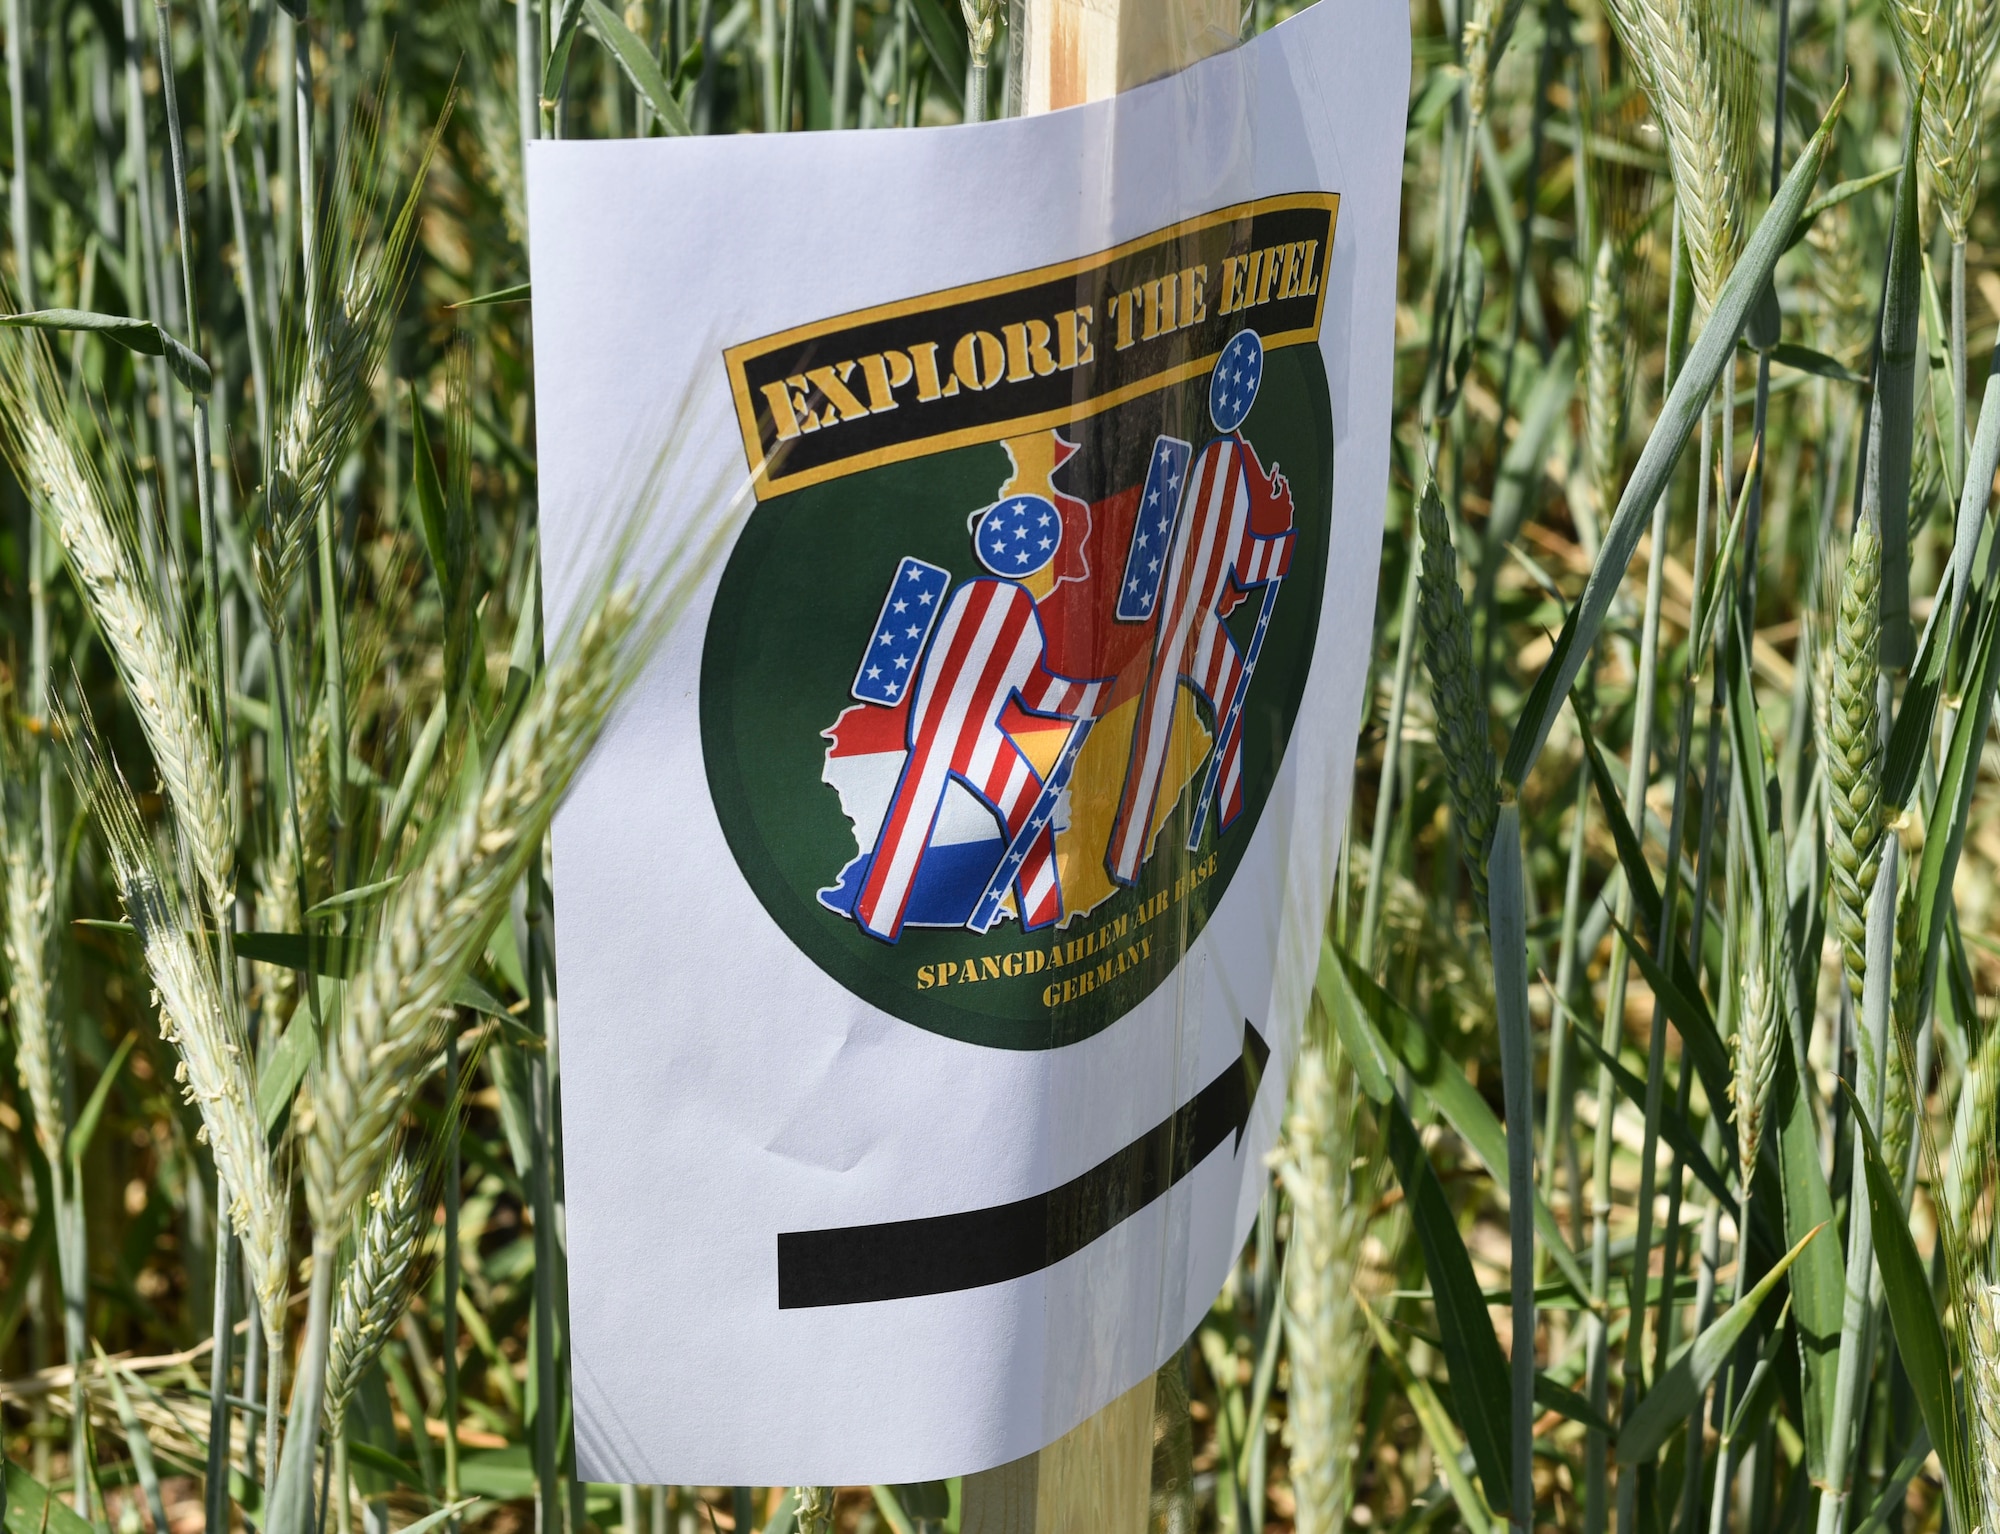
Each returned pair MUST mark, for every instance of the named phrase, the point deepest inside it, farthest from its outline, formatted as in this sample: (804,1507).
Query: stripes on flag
(1153,529)
(988,650)
(1216,554)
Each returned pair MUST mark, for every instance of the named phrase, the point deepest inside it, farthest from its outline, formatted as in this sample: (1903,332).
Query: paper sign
(936,922)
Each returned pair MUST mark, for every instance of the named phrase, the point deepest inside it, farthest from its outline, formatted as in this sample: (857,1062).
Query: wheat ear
(359,290)
(199,1019)
(1463,735)
(444,909)
(1899,1110)
(1947,50)
(813,1509)
(1853,753)
(1759,1032)
(1699,71)
(374,1284)
(1982,1337)
(1978,1103)
(1324,1329)
(38,1053)
(1606,364)
(148,651)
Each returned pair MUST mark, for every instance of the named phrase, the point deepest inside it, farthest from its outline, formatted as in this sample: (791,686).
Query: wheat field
(1640,1170)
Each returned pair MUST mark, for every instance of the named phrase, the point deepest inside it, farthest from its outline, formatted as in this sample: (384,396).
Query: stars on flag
(1160,503)
(1019,536)
(901,630)
(1232,387)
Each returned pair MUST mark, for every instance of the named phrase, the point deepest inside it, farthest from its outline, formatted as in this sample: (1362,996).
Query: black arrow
(855,1264)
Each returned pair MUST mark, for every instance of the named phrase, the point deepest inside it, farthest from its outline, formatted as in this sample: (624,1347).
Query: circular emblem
(1232,387)
(989,728)
(1019,536)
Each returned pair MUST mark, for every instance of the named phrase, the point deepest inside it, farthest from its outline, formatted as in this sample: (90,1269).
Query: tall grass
(1673,781)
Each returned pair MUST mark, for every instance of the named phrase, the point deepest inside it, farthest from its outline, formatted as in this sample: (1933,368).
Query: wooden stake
(1097,1479)
(1074,51)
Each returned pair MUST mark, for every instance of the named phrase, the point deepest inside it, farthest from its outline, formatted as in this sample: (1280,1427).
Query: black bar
(859,1264)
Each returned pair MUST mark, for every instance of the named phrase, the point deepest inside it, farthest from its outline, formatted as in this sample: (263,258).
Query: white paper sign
(936,922)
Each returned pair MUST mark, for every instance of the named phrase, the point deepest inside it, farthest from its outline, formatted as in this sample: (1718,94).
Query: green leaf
(85,1128)
(335,957)
(470,994)
(1890,1504)
(1447,1447)
(1978,491)
(286,1068)
(519,293)
(1560,1398)
(1522,467)
(1910,736)
(1506,923)
(140,336)
(890,1506)
(943,32)
(1336,994)
(33,1509)
(688,71)
(1906,1284)
(1951,808)
(1682,996)
(1886,486)
(1678,1391)
(1835,197)
(427,490)
(1805,360)
(1387,1033)
(1477,1367)
(429,1521)
(562,36)
(1678,419)
(1819,1278)
(382,1462)
(355,896)
(640,67)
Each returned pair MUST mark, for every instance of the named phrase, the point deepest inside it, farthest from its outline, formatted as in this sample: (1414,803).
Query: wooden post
(1074,51)
(1098,1478)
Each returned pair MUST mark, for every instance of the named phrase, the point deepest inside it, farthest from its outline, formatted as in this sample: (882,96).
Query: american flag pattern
(908,611)
(1217,555)
(988,649)
(1153,529)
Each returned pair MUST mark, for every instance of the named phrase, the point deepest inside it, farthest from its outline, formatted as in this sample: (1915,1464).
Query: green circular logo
(988,729)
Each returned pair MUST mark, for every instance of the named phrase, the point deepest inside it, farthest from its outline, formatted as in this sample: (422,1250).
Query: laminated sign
(937,920)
